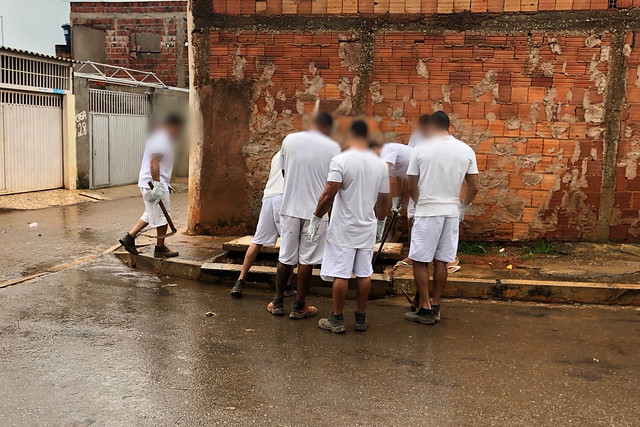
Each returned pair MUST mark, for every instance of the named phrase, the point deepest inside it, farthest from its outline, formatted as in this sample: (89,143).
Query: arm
(413,187)
(155,166)
(382,206)
(472,188)
(326,198)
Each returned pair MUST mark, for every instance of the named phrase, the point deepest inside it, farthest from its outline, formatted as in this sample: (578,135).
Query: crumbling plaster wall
(539,97)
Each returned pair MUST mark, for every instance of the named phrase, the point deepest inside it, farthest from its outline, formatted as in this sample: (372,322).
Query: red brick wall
(334,7)
(625,221)
(121,20)
(533,105)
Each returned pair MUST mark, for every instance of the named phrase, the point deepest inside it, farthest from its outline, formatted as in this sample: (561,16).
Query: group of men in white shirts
(329,206)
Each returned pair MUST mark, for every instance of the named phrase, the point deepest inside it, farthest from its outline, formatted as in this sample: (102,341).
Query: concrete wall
(549,100)
(121,33)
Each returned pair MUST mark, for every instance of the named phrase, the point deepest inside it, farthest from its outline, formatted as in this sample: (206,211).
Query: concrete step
(215,272)
(457,286)
(390,251)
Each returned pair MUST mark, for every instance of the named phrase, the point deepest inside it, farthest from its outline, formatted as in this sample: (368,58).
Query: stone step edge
(457,286)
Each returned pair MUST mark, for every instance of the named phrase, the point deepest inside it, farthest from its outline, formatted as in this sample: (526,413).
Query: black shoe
(129,244)
(436,308)
(423,316)
(236,291)
(361,322)
(334,324)
(164,252)
(290,291)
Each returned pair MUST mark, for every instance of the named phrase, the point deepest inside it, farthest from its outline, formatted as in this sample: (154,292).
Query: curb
(457,287)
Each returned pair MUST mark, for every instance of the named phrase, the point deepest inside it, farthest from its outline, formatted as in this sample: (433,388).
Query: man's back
(398,156)
(363,176)
(305,159)
(441,164)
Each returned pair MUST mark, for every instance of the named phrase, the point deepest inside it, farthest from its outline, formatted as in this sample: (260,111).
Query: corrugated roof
(38,55)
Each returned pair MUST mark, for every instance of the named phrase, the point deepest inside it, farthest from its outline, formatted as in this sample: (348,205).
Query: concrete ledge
(216,272)
(175,267)
(457,287)
(533,290)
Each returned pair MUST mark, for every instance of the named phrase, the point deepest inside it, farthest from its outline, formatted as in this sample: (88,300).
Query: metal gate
(30,141)
(119,127)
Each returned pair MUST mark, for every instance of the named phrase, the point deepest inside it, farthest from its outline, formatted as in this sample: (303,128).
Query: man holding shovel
(157,167)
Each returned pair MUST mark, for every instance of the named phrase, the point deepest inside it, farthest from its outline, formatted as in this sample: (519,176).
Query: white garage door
(30,142)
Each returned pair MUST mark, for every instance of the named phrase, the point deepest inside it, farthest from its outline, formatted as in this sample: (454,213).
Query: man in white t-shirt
(268,229)
(304,159)
(420,134)
(156,167)
(358,190)
(437,171)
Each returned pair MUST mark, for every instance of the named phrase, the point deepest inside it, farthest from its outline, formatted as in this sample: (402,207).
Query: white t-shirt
(363,176)
(416,138)
(398,156)
(158,143)
(276,181)
(441,166)
(305,158)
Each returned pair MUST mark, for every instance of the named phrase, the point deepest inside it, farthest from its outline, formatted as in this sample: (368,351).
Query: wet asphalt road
(67,233)
(103,345)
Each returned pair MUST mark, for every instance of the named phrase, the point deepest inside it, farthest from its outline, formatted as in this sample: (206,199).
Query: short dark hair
(174,120)
(439,120)
(323,120)
(374,144)
(423,120)
(359,129)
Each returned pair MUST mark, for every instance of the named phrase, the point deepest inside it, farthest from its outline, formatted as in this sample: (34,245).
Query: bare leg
(364,287)
(339,288)
(162,230)
(249,259)
(439,280)
(282,275)
(421,278)
(304,281)
(138,228)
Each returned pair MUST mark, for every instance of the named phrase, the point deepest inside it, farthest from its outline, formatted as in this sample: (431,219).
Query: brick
(429,6)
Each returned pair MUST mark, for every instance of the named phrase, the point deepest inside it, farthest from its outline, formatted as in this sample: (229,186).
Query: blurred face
(424,130)
(174,131)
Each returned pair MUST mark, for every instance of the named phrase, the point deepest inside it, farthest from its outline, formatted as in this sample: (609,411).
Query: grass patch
(540,247)
(471,248)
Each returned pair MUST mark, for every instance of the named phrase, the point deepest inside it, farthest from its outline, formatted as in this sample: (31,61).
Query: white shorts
(268,229)
(434,237)
(342,263)
(153,213)
(411,208)
(295,247)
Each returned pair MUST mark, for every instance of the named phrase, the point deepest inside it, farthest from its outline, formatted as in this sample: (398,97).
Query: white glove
(462,209)
(156,194)
(395,204)
(313,228)
(380,230)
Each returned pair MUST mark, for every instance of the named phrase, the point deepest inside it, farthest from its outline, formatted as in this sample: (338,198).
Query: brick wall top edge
(125,7)
(398,7)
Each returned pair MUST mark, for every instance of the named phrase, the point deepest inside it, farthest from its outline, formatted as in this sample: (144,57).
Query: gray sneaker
(334,324)
(129,244)
(236,291)
(436,308)
(361,322)
(423,316)
(164,252)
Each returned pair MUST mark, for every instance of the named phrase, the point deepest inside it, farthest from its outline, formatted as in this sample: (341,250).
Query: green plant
(528,255)
(470,248)
(541,247)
